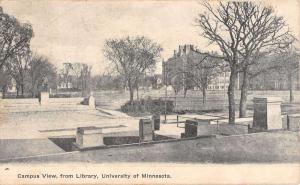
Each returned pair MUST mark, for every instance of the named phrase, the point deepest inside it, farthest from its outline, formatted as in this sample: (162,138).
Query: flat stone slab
(89,130)
(195,116)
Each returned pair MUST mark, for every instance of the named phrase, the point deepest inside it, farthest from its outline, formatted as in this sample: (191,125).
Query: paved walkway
(25,125)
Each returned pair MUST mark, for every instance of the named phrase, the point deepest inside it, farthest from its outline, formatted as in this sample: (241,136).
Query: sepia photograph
(156,85)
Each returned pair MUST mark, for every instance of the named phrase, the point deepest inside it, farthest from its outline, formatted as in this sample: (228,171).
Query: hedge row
(148,105)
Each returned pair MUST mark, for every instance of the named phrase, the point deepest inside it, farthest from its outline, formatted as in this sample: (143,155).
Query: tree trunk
(204,95)
(4,89)
(67,84)
(244,91)
(185,91)
(291,87)
(230,92)
(22,89)
(17,87)
(131,92)
(32,88)
(137,93)
(175,102)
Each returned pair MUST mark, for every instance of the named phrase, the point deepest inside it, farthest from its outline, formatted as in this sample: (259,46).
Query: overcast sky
(75,31)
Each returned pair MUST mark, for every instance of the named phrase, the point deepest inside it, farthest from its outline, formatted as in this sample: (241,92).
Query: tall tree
(291,67)
(76,69)
(18,68)
(5,80)
(131,57)
(85,79)
(242,31)
(65,74)
(14,37)
(41,69)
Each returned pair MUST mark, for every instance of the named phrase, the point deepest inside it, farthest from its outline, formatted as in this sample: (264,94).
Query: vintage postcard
(149,92)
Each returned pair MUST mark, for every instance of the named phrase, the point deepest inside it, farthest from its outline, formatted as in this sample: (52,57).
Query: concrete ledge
(233,129)
(215,129)
(138,144)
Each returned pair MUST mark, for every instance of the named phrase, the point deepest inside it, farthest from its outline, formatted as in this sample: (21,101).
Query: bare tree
(242,31)
(65,74)
(290,65)
(18,68)
(14,37)
(131,57)
(202,70)
(41,69)
(76,69)
(5,80)
(85,78)
(287,63)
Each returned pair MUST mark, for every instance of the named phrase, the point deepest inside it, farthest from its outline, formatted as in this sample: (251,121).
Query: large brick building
(178,63)
(268,80)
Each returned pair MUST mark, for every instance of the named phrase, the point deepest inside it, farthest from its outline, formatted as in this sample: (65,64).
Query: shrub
(148,106)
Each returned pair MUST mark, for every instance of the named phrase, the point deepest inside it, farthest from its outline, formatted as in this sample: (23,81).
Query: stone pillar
(267,114)
(89,137)
(201,127)
(145,130)
(293,122)
(92,101)
(156,121)
(44,98)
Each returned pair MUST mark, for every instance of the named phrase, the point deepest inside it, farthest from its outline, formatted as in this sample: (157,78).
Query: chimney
(181,48)
(189,48)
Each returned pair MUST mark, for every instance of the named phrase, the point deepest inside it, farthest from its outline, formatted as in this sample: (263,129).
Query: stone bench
(194,128)
(89,137)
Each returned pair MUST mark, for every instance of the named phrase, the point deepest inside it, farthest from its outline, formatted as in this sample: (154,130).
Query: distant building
(178,63)
(220,82)
(64,85)
(266,80)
